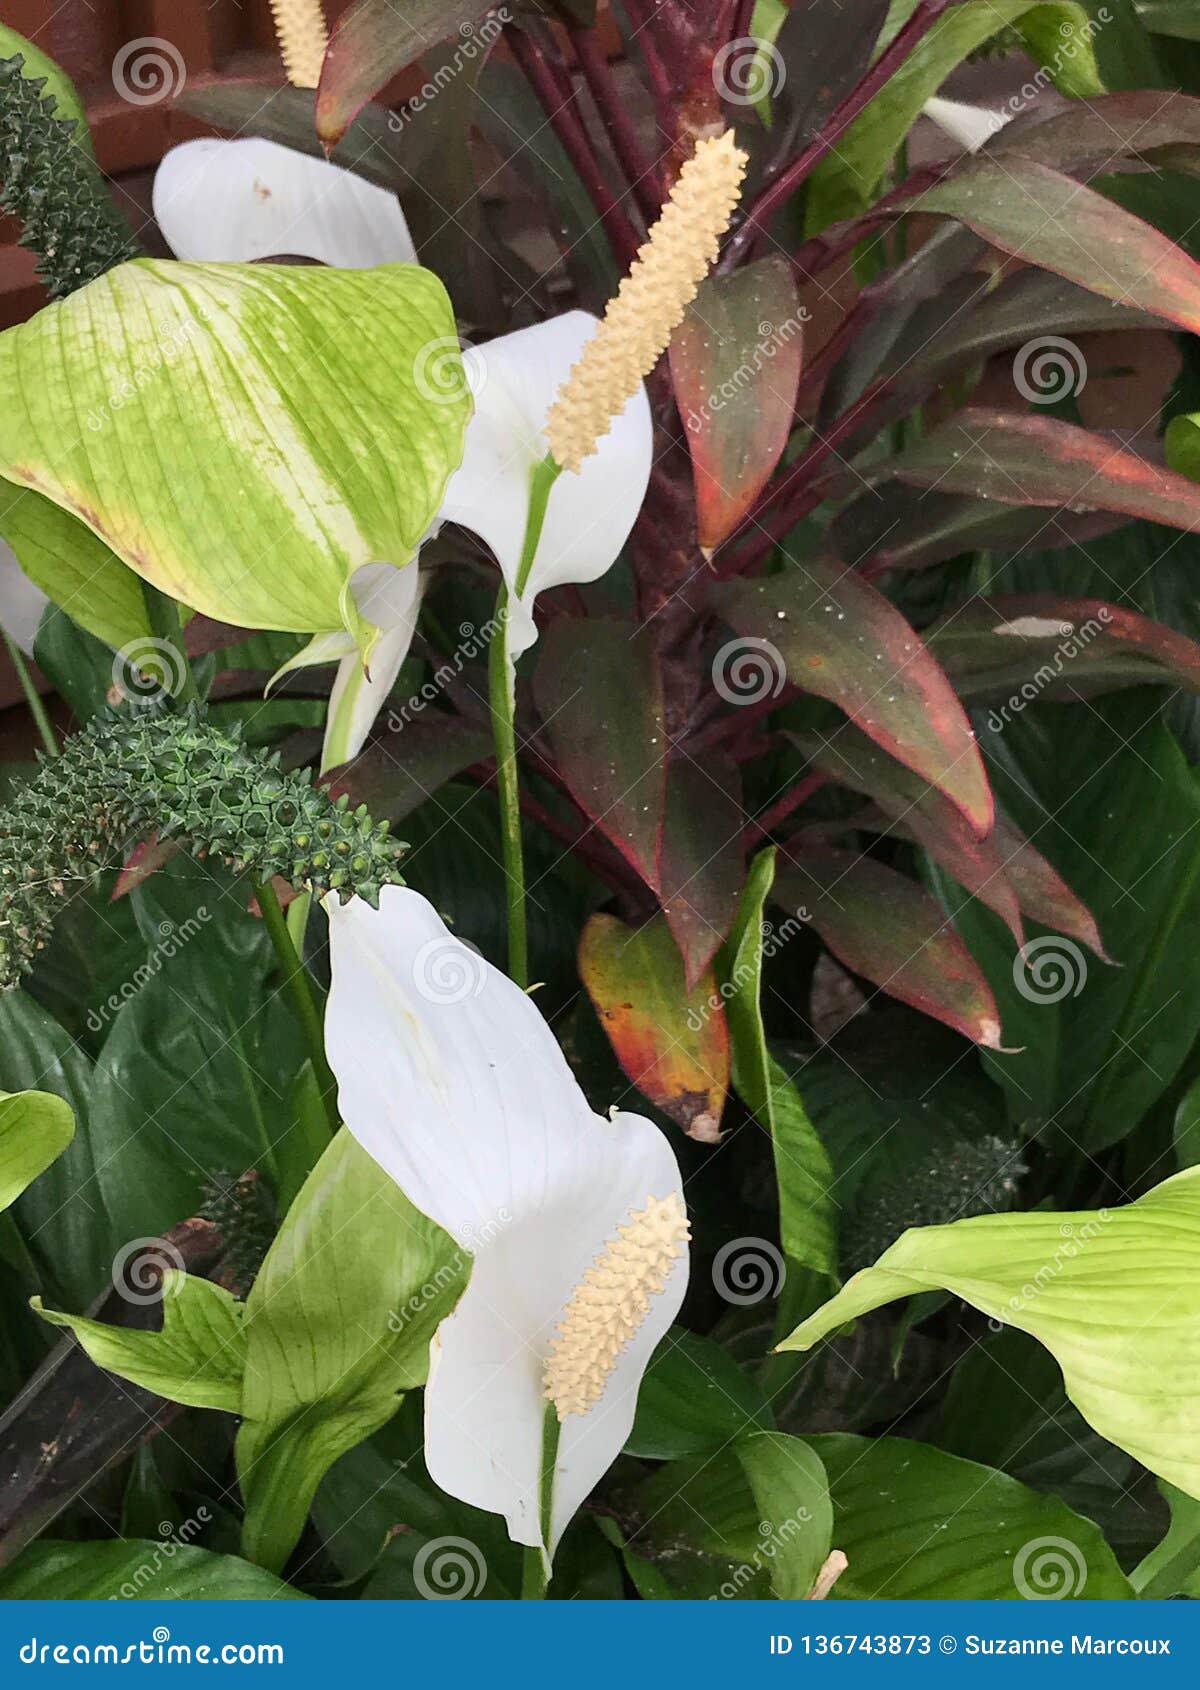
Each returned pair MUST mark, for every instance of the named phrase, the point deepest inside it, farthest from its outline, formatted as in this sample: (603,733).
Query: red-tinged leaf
(1045,218)
(673,1044)
(1016,649)
(838,637)
(402,769)
(1098,132)
(1023,460)
(598,690)
(1004,870)
(889,929)
(735,363)
(372,42)
(898,527)
(143,861)
(700,871)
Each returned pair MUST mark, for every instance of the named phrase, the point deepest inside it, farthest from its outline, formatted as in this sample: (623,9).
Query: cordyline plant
(723,588)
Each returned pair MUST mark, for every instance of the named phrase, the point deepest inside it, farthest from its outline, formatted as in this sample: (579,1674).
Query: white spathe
(515,379)
(969,125)
(231,202)
(450,1078)
(21,603)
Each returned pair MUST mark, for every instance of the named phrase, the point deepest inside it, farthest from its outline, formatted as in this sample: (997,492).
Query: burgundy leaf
(889,929)
(372,42)
(405,767)
(1042,645)
(1097,132)
(735,363)
(598,690)
(1049,219)
(835,635)
(701,863)
(1024,460)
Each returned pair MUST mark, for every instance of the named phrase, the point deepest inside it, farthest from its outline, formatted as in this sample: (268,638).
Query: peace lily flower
(969,125)
(451,1080)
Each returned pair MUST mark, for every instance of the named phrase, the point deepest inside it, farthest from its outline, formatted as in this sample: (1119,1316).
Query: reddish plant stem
(565,122)
(642,175)
(763,826)
(778,192)
(586,843)
(656,72)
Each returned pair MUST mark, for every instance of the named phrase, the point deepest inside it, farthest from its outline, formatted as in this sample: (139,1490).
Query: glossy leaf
(1113,1294)
(140,1572)
(803,1176)
(889,929)
(1040,461)
(599,691)
(1039,645)
(838,637)
(1047,218)
(694,1397)
(673,1045)
(402,768)
(1173,1567)
(819,61)
(1003,869)
(370,43)
(338,1324)
(735,365)
(1100,132)
(35,1128)
(761,1504)
(917,1523)
(700,865)
(219,362)
(198,1358)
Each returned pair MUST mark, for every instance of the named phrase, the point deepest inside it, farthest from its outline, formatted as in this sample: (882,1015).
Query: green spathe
(243,436)
(1113,1294)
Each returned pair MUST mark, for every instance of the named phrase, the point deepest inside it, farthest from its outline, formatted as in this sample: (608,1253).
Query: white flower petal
(515,379)
(357,697)
(234,201)
(970,126)
(484,1404)
(22,605)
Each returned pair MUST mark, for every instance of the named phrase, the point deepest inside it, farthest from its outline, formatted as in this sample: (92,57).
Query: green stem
(296,981)
(167,625)
(502,700)
(535,1568)
(37,706)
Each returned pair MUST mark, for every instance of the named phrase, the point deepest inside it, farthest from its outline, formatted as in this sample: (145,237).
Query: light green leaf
(846,181)
(802,1169)
(78,571)
(246,436)
(35,1128)
(197,1359)
(338,1325)
(139,1572)
(915,1522)
(1113,1294)
(1061,37)
(760,1508)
